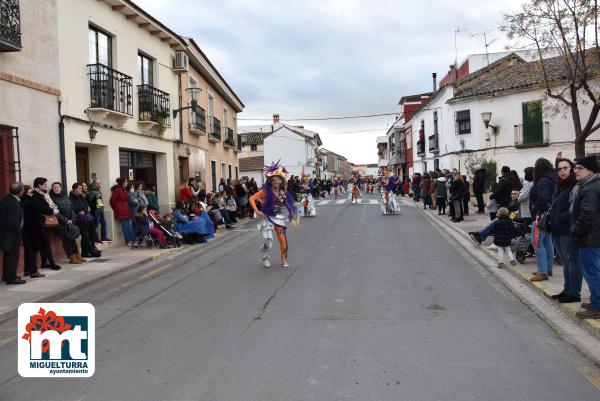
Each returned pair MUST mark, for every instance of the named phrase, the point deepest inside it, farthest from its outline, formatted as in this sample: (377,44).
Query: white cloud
(318,58)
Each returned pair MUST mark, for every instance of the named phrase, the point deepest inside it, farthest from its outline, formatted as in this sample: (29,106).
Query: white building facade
(297,149)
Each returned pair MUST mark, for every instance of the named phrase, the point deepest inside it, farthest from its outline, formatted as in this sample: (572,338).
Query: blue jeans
(570,259)
(544,253)
(427,201)
(128,232)
(100,220)
(589,260)
(487,230)
(417,194)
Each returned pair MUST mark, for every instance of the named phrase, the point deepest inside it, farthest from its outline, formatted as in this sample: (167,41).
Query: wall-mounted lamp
(487,116)
(194,93)
(92,131)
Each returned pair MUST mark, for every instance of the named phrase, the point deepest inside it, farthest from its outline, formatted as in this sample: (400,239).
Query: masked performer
(274,199)
(356,182)
(390,204)
(307,198)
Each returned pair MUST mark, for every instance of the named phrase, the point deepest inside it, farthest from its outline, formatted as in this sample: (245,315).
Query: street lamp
(194,93)
(92,132)
(487,116)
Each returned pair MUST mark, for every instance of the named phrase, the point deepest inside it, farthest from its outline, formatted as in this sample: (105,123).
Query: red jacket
(119,203)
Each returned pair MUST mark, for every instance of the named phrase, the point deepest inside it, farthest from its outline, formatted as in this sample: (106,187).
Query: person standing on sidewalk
(441,194)
(42,206)
(559,221)
(119,202)
(424,187)
(585,229)
(96,203)
(478,187)
(540,197)
(524,212)
(502,193)
(466,195)
(456,196)
(31,241)
(11,224)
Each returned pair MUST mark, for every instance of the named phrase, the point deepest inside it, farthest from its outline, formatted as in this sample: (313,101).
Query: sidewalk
(554,285)
(73,278)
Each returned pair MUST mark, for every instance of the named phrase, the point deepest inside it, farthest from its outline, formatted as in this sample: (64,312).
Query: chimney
(452,74)
(434,75)
(275,118)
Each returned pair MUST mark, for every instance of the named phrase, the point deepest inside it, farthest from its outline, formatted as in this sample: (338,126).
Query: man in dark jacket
(11,224)
(96,203)
(478,189)
(502,193)
(585,229)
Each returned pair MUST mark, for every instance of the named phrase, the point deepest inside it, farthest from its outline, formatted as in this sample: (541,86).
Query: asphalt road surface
(372,307)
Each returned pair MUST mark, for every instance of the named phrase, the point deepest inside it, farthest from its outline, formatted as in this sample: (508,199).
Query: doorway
(82,163)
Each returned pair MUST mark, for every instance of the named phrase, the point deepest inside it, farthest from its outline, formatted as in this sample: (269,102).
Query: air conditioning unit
(181,61)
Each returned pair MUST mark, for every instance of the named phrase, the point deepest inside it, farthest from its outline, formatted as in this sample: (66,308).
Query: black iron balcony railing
(238,143)
(154,105)
(110,89)
(10,26)
(433,143)
(229,137)
(215,128)
(421,148)
(198,120)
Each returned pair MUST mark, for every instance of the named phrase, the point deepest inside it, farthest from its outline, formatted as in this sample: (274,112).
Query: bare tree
(571,28)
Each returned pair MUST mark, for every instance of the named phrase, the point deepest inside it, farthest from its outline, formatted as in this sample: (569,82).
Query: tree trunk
(580,146)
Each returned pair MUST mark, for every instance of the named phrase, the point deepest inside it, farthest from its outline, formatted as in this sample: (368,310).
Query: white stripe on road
(373,202)
(339,202)
(324,202)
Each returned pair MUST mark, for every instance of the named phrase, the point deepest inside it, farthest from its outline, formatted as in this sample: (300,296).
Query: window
(223,170)
(100,47)
(533,127)
(213,175)
(145,74)
(224,118)
(253,148)
(229,170)
(10,163)
(435,123)
(463,122)
(211,105)
(237,173)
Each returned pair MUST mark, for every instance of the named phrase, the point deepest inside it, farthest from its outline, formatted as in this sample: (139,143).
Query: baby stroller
(142,240)
(523,241)
(173,239)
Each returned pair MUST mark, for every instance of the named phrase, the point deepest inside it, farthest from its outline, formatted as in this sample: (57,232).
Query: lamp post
(486,117)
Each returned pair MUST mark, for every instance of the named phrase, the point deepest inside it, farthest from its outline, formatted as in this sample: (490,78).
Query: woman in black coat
(84,221)
(540,197)
(66,217)
(560,218)
(42,205)
(31,239)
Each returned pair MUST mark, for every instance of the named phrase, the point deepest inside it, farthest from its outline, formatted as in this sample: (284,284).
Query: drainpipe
(180,114)
(61,141)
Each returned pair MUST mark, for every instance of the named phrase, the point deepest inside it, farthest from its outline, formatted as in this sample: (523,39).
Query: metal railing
(154,105)
(421,148)
(110,89)
(215,128)
(198,119)
(239,144)
(532,135)
(433,143)
(229,137)
(10,26)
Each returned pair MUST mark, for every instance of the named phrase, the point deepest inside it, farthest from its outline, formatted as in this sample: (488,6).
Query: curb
(591,325)
(183,250)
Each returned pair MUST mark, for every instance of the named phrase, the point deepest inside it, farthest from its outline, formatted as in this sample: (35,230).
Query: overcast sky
(323,58)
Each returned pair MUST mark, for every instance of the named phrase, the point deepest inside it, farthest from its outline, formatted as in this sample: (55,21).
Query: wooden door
(533,128)
(82,164)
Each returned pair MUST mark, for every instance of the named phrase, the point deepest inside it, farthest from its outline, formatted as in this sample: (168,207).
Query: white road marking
(324,202)
(339,202)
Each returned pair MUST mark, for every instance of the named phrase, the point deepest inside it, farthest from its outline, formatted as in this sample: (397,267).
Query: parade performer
(308,203)
(389,203)
(356,181)
(274,199)
(336,187)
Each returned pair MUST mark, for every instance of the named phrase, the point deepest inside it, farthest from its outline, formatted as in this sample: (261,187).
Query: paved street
(372,308)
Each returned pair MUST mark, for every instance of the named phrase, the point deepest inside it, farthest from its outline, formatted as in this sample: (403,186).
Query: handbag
(543,220)
(50,221)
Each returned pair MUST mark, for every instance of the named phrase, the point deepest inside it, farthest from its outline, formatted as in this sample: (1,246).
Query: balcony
(433,144)
(198,121)
(110,94)
(532,135)
(10,26)
(238,144)
(154,107)
(421,148)
(215,130)
(229,141)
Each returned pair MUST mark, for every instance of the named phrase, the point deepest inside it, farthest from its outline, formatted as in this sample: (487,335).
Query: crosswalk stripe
(324,202)
(339,202)
(373,201)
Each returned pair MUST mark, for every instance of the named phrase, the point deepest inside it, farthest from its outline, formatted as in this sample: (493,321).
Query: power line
(322,118)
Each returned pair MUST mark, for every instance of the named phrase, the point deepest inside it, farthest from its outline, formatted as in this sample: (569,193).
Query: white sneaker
(492,247)
(266,263)
(285,264)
